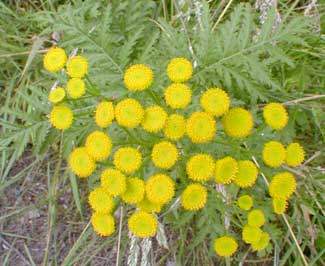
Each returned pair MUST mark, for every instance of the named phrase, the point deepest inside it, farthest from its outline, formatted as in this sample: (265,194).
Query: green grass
(44,214)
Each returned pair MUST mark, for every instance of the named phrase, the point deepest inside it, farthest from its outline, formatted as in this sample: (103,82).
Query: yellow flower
(295,154)
(238,122)
(57,95)
(251,234)
(262,243)
(134,192)
(81,163)
(274,154)
(225,170)
(113,181)
(61,117)
(154,118)
(215,101)
(201,127)
(179,69)
(98,145)
(100,201)
(225,246)
(77,66)
(129,113)
(256,218)
(200,167)
(279,205)
(247,174)
(160,189)
(76,88)
(103,224)
(143,224)
(282,185)
(104,114)
(138,77)
(194,197)
(127,159)
(149,206)
(275,115)
(175,127)
(245,202)
(178,95)
(164,154)
(54,60)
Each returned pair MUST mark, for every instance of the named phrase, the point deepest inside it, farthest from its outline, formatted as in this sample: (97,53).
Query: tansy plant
(171,156)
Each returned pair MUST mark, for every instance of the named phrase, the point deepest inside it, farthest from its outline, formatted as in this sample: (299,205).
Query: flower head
(57,95)
(178,95)
(103,223)
(81,163)
(275,115)
(279,205)
(282,185)
(179,69)
(295,154)
(256,218)
(100,201)
(160,188)
(77,66)
(225,170)
(200,167)
(143,224)
(215,101)
(251,234)
(113,181)
(274,153)
(61,117)
(98,145)
(175,127)
(54,60)
(129,113)
(225,246)
(247,174)
(104,114)
(194,197)
(238,122)
(164,154)
(135,190)
(76,88)
(262,243)
(127,159)
(149,206)
(201,127)
(154,118)
(138,77)
(245,202)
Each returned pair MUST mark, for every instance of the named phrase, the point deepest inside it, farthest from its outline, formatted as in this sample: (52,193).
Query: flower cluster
(124,180)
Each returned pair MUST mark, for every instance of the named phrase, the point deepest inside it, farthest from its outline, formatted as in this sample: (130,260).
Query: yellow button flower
(54,60)
(143,224)
(138,77)
(251,234)
(279,205)
(282,185)
(160,188)
(154,119)
(179,69)
(200,167)
(76,88)
(61,117)
(135,190)
(100,201)
(164,154)
(98,145)
(245,202)
(77,66)
(81,163)
(103,224)
(127,159)
(225,170)
(104,114)
(129,113)
(262,243)
(225,246)
(201,127)
(178,95)
(238,122)
(194,197)
(295,154)
(275,115)
(247,174)
(215,101)
(175,127)
(57,95)
(149,206)
(256,218)
(113,181)
(274,154)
